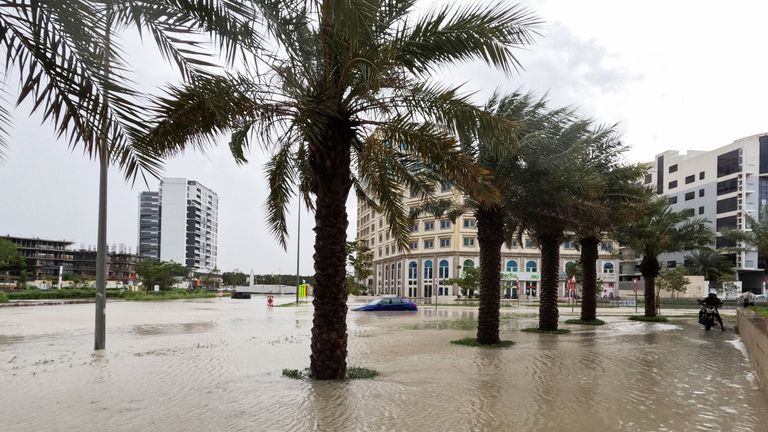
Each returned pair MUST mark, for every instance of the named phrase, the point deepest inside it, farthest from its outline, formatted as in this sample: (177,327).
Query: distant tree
(575,269)
(708,263)
(234,279)
(161,273)
(11,260)
(672,280)
(360,257)
(468,282)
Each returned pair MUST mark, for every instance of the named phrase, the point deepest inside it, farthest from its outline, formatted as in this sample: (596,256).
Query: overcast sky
(675,75)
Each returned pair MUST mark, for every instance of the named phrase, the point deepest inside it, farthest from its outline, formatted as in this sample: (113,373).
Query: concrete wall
(173,225)
(753,329)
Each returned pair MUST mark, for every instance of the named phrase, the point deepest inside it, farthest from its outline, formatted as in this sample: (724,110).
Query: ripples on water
(215,365)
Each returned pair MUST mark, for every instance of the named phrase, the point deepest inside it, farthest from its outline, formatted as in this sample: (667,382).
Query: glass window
(469,241)
(529,244)
(429,244)
(728,163)
(445,242)
(690,195)
(470,223)
(672,200)
(413,272)
(445,187)
(568,244)
(724,242)
(701,175)
(531,266)
(648,178)
(414,245)
(606,246)
(726,223)
(701,192)
(671,264)
(727,186)
(428,271)
(445,224)
(511,266)
(415,227)
(727,205)
(443,269)
(608,267)
(673,184)
(469,264)
(673,168)
(429,226)
(701,210)
(690,179)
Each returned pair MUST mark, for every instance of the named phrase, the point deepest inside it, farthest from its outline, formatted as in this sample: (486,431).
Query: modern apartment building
(721,185)
(440,249)
(44,257)
(182,219)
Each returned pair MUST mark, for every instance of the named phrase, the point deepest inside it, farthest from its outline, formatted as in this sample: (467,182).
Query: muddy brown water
(215,365)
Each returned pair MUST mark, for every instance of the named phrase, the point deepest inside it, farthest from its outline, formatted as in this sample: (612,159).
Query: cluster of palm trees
(342,96)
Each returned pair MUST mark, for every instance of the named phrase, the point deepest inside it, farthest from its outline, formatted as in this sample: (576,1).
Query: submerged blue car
(389,304)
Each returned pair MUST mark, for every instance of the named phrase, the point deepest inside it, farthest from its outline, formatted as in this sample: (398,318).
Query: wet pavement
(215,364)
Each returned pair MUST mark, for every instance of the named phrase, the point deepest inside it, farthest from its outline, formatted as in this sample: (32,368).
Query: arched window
(511,266)
(413,270)
(428,271)
(608,267)
(469,264)
(443,269)
(530,266)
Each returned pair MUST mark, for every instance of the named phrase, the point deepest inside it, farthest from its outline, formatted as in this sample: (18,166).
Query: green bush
(595,322)
(165,295)
(648,319)
(472,342)
(536,330)
(758,310)
(3,298)
(58,294)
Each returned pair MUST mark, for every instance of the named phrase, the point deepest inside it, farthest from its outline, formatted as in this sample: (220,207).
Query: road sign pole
(634,283)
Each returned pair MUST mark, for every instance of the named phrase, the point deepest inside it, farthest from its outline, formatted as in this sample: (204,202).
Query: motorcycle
(707,315)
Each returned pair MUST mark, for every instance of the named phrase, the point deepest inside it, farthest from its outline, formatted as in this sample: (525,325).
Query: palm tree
(659,230)
(552,191)
(530,114)
(756,236)
(345,101)
(617,192)
(73,71)
(709,263)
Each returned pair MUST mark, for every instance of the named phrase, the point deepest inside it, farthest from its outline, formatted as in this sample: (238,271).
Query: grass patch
(459,324)
(165,295)
(760,310)
(353,373)
(536,330)
(472,342)
(648,319)
(3,298)
(594,322)
(55,294)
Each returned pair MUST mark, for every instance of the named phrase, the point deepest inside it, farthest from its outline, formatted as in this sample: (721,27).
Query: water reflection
(216,365)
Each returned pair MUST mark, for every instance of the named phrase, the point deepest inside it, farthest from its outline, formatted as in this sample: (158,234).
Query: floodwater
(215,365)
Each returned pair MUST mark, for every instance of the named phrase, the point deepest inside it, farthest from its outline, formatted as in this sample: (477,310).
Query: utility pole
(298,248)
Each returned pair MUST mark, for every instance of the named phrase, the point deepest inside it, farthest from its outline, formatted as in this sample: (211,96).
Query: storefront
(520,284)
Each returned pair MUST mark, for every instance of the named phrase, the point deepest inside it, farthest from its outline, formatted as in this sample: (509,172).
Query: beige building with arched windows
(441,248)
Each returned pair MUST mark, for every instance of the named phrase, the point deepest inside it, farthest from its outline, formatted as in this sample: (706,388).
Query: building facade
(441,248)
(121,265)
(44,256)
(721,185)
(180,223)
(148,245)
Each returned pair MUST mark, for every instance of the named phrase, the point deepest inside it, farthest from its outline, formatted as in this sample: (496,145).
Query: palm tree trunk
(490,223)
(589,284)
(550,257)
(649,268)
(331,170)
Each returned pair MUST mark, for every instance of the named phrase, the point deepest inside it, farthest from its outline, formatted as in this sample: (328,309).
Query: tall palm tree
(551,192)
(708,263)
(658,230)
(617,192)
(345,101)
(71,67)
(756,236)
(530,115)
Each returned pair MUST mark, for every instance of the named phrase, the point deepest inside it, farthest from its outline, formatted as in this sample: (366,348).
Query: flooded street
(216,364)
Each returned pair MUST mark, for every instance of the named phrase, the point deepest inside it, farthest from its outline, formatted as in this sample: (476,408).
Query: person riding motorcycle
(714,301)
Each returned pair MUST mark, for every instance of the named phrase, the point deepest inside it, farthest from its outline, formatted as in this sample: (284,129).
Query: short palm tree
(70,66)
(658,230)
(756,236)
(708,263)
(345,102)
(617,192)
